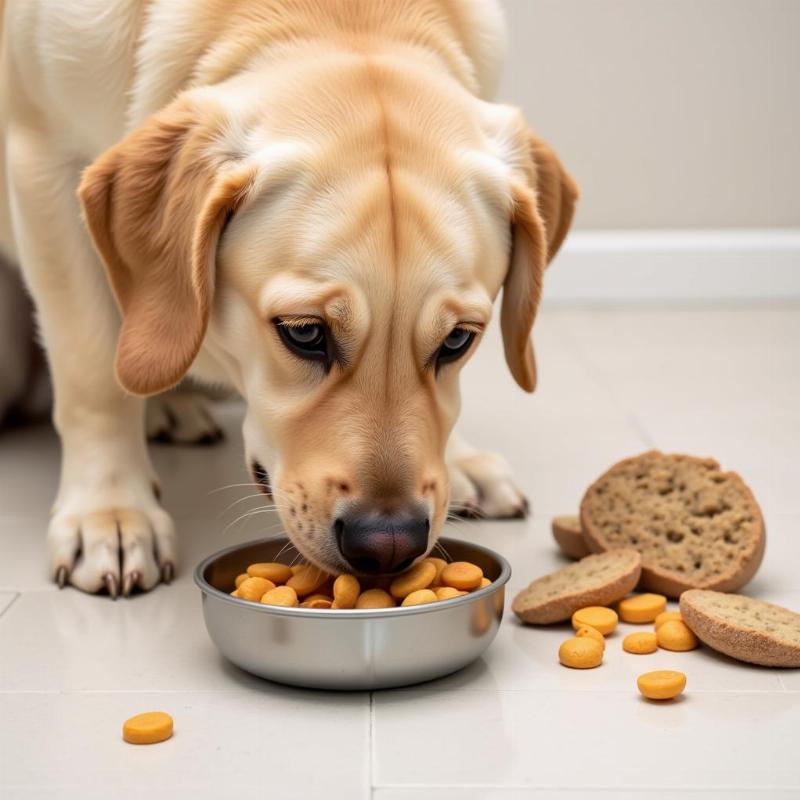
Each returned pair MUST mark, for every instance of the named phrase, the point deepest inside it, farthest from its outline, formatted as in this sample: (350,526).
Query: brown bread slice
(695,526)
(744,628)
(569,537)
(597,580)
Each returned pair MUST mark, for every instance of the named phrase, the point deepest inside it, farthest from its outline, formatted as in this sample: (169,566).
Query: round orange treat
(462,575)
(447,592)
(640,643)
(280,596)
(375,598)
(581,653)
(147,728)
(420,576)
(592,633)
(642,607)
(307,580)
(440,564)
(676,635)
(271,570)
(663,684)
(667,616)
(420,597)
(598,617)
(253,588)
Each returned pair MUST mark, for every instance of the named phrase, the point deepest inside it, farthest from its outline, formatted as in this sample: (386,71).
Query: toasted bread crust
(569,537)
(743,628)
(596,580)
(696,526)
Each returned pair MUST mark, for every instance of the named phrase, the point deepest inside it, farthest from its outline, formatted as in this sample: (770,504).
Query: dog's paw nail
(522,510)
(61,576)
(470,511)
(129,582)
(167,572)
(112,585)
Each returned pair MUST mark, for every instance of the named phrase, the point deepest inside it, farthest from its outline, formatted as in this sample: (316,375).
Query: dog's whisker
(283,549)
(258,495)
(250,485)
(443,550)
(252,512)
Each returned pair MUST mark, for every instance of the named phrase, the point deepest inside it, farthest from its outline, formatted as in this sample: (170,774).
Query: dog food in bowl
(428,581)
(378,643)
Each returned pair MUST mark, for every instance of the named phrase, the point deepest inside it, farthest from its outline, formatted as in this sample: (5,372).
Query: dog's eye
(457,343)
(307,340)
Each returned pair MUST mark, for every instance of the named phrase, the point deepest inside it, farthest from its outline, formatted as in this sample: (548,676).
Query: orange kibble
(592,633)
(346,590)
(640,643)
(280,596)
(663,684)
(642,607)
(317,601)
(240,579)
(676,635)
(420,597)
(440,564)
(667,616)
(447,592)
(307,580)
(581,653)
(147,728)
(375,598)
(420,576)
(599,617)
(271,570)
(462,575)
(253,588)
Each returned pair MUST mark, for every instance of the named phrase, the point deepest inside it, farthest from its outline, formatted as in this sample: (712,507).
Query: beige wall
(670,113)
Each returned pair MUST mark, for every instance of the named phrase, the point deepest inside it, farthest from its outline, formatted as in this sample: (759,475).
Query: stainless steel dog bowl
(350,649)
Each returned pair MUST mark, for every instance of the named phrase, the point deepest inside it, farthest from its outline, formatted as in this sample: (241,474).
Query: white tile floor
(514,724)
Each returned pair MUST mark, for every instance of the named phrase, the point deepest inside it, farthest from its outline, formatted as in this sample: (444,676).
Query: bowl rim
(348,613)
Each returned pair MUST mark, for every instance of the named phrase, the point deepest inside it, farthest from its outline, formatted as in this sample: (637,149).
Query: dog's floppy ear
(543,202)
(155,205)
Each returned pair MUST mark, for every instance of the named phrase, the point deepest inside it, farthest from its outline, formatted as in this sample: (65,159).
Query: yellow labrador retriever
(314,201)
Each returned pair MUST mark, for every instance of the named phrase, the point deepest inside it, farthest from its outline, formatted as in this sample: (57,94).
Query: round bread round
(743,627)
(695,526)
(569,537)
(596,580)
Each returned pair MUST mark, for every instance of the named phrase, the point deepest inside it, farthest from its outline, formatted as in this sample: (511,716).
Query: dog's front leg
(107,528)
(481,483)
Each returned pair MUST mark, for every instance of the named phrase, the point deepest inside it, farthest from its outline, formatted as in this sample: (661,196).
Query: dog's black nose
(375,544)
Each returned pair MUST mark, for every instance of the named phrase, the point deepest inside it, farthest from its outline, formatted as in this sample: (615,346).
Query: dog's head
(341,261)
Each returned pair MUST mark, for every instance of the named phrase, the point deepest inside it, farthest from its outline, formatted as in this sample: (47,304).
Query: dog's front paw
(181,417)
(116,546)
(481,485)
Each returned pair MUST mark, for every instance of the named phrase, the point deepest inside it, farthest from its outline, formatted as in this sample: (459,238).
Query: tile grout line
(13,600)
(594,788)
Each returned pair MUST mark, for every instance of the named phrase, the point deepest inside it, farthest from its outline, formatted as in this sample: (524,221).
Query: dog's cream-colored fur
(182,173)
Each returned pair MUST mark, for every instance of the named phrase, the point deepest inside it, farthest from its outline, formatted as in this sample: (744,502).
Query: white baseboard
(734,265)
